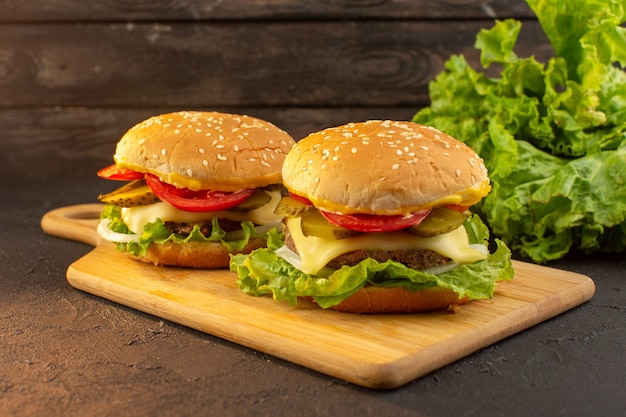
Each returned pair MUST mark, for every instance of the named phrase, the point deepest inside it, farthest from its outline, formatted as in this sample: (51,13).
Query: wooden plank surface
(98,10)
(288,64)
(79,141)
(375,351)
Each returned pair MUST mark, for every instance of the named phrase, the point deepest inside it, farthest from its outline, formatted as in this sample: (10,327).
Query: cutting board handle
(77,222)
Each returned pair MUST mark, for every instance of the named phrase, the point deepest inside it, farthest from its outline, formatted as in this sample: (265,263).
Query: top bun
(206,150)
(384,167)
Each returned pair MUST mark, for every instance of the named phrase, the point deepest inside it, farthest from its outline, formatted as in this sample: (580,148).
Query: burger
(378,220)
(198,187)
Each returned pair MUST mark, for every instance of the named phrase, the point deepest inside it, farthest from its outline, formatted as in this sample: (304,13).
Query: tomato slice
(196,201)
(113,172)
(375,223)
(301,199)
(457,207)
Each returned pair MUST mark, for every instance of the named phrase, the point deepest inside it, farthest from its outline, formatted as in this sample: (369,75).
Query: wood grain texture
(375,351)
(98,10)
(373,63)
(80,140)
(74,75)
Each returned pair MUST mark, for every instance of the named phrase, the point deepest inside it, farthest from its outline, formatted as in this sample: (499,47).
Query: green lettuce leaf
(156,232)
(263,272)
(552,134)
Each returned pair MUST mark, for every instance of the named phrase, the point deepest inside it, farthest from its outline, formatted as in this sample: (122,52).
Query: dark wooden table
(74,75)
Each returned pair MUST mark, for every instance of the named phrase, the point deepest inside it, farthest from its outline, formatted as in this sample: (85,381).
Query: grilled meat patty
(413,258)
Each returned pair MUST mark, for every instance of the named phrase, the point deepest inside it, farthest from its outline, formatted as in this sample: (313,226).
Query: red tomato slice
(301,199)
(375,223)
(196,201)
(113,172)
(457,207)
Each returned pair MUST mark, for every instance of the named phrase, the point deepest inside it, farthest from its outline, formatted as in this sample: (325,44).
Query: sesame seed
(471,161)
(395,166)
(201,150)
(398,152)
(265,164)
(163,152)
(236,148)
(205,162)
(458,172)
(424,148)
(221,157)
(354,150)
(189,172)
(176,131)
(381,179)
(473,180)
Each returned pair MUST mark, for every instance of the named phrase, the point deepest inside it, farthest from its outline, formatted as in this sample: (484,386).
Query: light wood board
(375,351)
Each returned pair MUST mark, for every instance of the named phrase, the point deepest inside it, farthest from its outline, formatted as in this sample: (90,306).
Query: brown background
(76,74)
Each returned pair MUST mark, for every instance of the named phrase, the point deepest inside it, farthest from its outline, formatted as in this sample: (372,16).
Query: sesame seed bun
(206,150)
(193,254)
(384,167)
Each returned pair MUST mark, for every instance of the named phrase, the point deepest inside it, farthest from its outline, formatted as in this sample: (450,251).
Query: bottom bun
(373,300)
(194,254)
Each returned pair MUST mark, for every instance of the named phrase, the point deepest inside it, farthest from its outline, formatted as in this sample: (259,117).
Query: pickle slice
(133,194)
(440,220)
(313,223)
(258,199)
(290,207)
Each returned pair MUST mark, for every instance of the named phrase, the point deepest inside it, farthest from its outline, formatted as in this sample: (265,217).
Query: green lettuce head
(553,135)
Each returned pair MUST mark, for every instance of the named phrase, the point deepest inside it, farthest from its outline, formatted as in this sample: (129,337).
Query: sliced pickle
(290,207)
(133,194)
(258,199)
(313,223)
(440,220)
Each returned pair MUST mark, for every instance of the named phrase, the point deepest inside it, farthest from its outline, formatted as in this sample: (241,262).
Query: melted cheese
(137,217)
(316,252)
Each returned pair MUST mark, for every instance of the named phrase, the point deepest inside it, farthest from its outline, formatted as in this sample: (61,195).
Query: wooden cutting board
(375,351)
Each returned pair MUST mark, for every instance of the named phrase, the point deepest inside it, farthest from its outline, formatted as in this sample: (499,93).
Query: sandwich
(378,220)
(198,187)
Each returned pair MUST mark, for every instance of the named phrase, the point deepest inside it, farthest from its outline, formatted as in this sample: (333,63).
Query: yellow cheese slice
(315,252)
(137,217)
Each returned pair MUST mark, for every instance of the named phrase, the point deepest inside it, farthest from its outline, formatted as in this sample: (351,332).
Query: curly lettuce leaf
(262,272)
(552,134)
(156,232)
